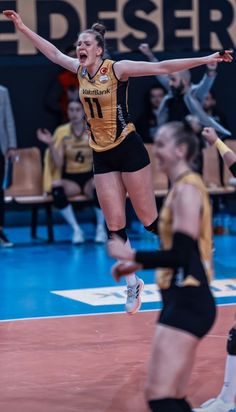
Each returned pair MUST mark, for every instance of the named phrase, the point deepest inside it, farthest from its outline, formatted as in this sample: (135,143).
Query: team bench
(26,190)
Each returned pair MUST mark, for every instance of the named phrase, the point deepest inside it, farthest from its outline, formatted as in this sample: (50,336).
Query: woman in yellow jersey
(121,163)
(185,260)
(68,169)
(226,400)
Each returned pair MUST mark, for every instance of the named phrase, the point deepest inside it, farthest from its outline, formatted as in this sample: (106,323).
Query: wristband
(222,147)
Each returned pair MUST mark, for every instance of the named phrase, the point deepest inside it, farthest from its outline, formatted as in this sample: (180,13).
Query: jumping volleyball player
(121,162)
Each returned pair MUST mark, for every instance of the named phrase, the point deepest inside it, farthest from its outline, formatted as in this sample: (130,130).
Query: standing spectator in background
(147,123)
(68,169)
(7,146)
(184,98)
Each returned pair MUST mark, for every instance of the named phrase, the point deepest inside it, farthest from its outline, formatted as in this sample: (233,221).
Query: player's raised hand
(221,56)
(210,134)
(15,17)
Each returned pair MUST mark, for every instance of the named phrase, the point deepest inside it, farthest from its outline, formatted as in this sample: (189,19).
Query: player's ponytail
(100,28)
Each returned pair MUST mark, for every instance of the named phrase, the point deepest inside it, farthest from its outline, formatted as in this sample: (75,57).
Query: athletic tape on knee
(121,233)
(153,228)
(231,342)
(60,199)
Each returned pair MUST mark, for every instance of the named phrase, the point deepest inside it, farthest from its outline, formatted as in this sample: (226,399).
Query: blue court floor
(53,280)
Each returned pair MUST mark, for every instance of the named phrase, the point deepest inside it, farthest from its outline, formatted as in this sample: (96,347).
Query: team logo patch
(84,72)
(104,70)
(104,78)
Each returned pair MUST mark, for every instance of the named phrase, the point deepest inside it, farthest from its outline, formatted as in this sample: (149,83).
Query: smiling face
(88,50)
(175,146)
(168,151)
(164,149)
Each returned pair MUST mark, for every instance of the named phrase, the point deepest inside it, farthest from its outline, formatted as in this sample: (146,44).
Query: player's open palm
(44,136)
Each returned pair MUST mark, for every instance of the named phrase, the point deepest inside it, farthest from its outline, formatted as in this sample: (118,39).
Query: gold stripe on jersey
(164,276)
(104,99)
(78,154)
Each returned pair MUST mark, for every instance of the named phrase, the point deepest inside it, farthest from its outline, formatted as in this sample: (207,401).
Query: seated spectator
(68,169)
(147,122)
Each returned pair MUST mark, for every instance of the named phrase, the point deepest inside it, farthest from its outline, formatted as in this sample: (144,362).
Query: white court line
(93,314)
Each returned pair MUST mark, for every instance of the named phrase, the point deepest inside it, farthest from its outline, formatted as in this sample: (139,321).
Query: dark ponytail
(100,28)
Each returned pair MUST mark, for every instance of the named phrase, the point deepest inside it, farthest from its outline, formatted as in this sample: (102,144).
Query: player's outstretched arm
(127,68)
(47,48)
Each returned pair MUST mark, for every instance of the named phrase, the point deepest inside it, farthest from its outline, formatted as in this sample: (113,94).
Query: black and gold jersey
(200,266)
(78,153)
(104,99)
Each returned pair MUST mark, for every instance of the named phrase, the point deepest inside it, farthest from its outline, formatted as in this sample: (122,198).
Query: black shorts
(129,156)
(188,308)
(80,178)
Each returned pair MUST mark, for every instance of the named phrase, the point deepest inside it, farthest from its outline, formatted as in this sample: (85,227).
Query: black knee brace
(59,197)
(184,405)
(152,227)
(121,233)
(95,199)
(165,405)
(231,342)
